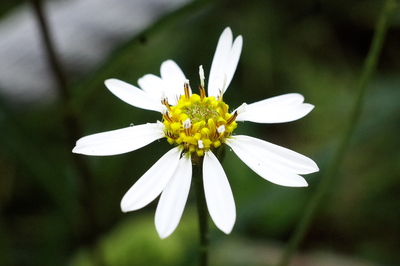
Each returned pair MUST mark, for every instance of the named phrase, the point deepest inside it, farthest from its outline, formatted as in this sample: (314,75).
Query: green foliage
(135,242)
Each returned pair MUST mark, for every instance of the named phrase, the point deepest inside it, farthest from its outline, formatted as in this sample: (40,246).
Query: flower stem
(202,212)
(323,187)
(70,121)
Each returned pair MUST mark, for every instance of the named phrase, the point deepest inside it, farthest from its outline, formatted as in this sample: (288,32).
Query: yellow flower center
(198,123)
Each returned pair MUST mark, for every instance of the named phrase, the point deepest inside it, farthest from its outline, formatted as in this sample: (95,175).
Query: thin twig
(325,183)
(70,120)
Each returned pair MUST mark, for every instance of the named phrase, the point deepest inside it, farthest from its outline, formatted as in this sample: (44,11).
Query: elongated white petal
(161,89)
(288,160)
(216,76)
(150,185)
(233,60)
(219,198)
(152,85)
(279,109)
(173,78)
(272,162)
(119,141)
(173,199)
(224,63)
(133,95)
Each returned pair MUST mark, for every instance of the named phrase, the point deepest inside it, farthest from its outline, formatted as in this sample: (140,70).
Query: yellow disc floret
(198,123)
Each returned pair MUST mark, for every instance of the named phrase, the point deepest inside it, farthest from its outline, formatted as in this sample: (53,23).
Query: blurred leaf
(19,143)
(134,241)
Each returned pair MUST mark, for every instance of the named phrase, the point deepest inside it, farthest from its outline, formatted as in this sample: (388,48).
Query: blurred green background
(58,208)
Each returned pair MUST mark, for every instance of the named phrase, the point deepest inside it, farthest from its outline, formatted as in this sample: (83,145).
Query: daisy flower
(196,125)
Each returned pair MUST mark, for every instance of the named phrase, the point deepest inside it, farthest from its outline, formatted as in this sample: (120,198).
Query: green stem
(202,211)
(54,61)
(325,183)
(70,122)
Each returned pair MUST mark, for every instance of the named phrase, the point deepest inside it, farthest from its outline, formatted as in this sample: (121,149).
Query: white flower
(196,125)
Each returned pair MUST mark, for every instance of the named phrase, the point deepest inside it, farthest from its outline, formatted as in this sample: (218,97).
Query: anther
(219,132)
(164,101)
(221,129)
(168,117)
(202,78)
(202,92)
(200,144)
(187,91)
(201,87)
(232,118)
(187,124)
(171,135)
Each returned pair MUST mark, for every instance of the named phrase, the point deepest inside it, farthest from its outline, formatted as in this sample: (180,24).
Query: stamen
(198,123)
(168,117)
(202,78)
(202,92)
(187,91)
(232,118)
(187,125)
(164,101)
(216,135)
(170,135)
(201,87)
(200,144)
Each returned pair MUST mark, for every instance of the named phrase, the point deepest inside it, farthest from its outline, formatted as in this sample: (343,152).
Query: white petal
(160,89)
(224,63)
(173,78)
(150,185)
(219,198)
(286,159)
(119,141)
(279,109)
(220,55)
(272,162)
(153,85)
(133,95)
(233,60)
(173,199)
